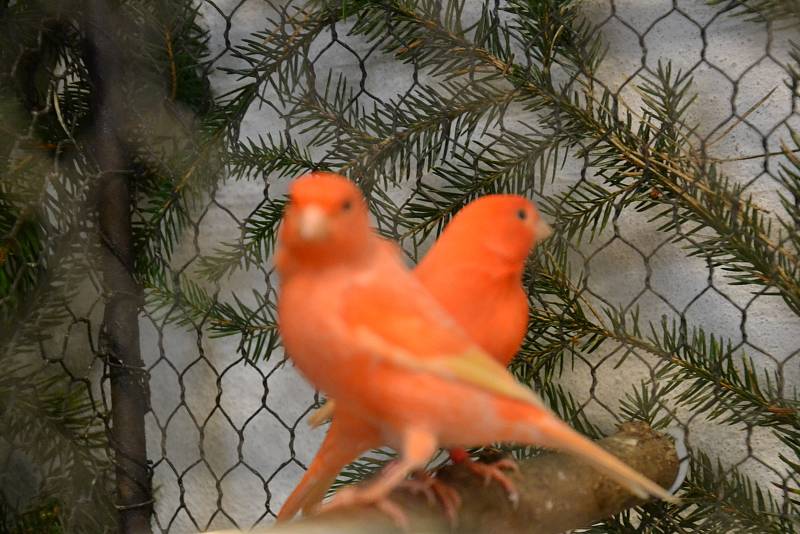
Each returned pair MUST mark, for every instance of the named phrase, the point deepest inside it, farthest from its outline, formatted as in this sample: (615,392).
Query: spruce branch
(509,162)
(391,140)
(645,403)
(743,240)
(696,369)
(259,234)
(718,383)
(435,40)
(44,518)
(20,249)
(276,55)
(789,178)
(774,11)
(791,484)
(281,158)
(418,31)
(64,260)
(719,499)
(362,469)
(584,211)
(559,324)
(181,301)
(567,408)
(171,185)
(55,425)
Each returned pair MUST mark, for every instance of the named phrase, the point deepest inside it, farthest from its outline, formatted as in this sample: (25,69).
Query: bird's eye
(522,214)
(347,205)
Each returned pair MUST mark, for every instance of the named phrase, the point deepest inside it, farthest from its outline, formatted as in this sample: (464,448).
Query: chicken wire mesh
(225,426)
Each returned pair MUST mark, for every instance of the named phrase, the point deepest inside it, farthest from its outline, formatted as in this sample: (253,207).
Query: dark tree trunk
(120,331)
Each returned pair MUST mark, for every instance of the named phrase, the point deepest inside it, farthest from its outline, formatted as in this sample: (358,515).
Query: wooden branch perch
(557,493)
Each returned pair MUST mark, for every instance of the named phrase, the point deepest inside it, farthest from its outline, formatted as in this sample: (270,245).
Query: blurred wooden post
(120,330)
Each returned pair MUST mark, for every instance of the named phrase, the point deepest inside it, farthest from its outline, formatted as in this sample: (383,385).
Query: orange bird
(474,270)
(363,330)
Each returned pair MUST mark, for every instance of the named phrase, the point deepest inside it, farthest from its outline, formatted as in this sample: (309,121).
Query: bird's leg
(418,447)
(490,471)
(346,439)
(435,490)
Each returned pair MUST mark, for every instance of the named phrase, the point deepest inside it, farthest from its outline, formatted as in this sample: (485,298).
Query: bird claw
(494,471)
(435,491)
(348,497)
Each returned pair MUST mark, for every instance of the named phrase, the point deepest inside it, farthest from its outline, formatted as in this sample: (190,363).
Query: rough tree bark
(120,330)
(557,493)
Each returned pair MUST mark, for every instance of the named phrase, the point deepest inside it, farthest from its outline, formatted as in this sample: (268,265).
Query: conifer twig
(704,198)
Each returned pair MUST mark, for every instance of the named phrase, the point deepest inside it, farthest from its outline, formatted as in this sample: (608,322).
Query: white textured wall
(199,373)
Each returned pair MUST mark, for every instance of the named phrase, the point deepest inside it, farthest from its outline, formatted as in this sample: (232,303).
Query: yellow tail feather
(567,439)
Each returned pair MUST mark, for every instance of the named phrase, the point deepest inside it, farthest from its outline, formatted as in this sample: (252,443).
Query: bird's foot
(494,471)
(354,496)
(435,491)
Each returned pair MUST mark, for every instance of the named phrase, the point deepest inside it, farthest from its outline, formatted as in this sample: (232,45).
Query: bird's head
(508,225)
(326,221)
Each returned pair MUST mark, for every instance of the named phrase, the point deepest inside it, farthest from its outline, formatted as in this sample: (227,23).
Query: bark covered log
(558,492)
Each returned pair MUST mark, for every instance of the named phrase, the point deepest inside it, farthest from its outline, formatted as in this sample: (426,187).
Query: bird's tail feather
(563,437)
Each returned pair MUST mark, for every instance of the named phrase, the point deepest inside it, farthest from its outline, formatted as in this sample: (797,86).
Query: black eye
(347,205)
(522,214)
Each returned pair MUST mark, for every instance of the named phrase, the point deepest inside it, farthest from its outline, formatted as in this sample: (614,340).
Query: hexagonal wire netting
(227,438)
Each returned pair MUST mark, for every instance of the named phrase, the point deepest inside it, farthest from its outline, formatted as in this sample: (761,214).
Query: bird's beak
(543,230)
(313,224)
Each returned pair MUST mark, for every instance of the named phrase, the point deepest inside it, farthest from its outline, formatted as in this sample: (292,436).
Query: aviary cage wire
(226,435)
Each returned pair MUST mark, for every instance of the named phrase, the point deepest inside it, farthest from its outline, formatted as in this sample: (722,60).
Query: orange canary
(474,270)
(362,329)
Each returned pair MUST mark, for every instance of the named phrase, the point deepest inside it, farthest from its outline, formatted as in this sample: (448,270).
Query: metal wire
(227,439)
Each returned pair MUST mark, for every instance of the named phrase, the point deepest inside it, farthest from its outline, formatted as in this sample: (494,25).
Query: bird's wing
(395,319)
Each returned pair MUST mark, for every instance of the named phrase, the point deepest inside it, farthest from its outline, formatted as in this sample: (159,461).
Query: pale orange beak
(313,224)
(543,230)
